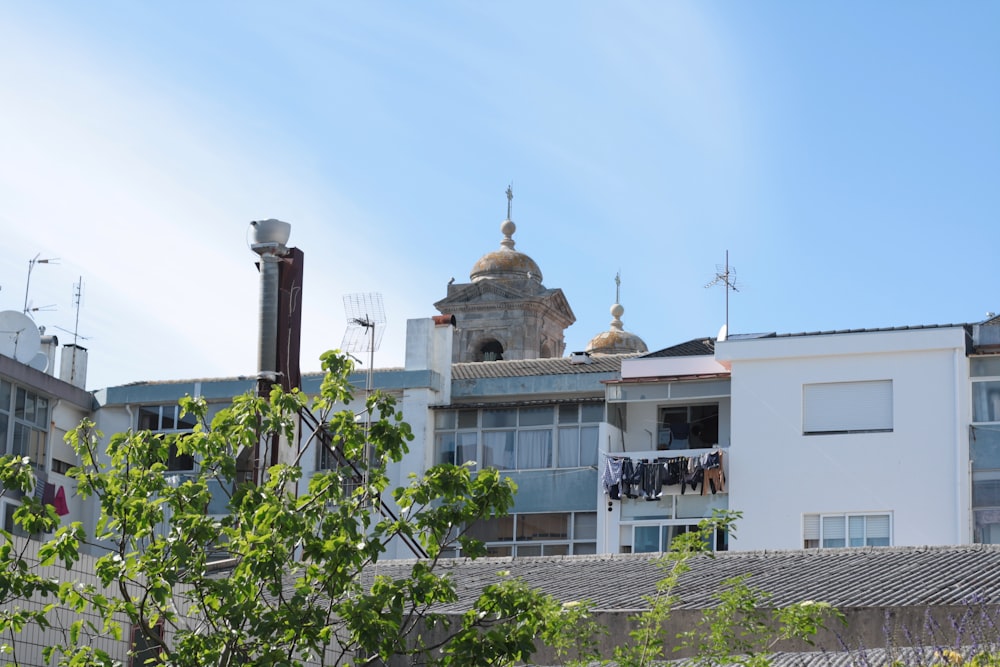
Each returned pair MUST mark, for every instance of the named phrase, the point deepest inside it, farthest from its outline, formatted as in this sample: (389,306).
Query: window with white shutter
(847,407)
(832,531)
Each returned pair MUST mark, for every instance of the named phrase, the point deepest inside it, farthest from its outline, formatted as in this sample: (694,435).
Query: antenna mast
(725,276)
(365,317)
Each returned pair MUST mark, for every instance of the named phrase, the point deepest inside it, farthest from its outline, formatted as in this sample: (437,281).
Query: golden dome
(506,263)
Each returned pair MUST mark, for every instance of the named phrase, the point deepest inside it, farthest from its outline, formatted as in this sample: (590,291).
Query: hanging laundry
(59,502)
(612,477)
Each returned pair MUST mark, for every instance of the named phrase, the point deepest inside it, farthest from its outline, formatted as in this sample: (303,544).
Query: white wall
(918,472)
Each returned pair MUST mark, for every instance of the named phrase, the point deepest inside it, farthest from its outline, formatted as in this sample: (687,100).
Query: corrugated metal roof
(858,577)
(599,363)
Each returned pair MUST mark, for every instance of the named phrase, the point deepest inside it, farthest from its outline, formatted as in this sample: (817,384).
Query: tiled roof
(858,577)
(599,363)
(693,348)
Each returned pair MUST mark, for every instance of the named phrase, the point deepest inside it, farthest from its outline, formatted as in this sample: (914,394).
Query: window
(546,534)
(656,537)
(527,438)
(984,449)
(24,423)
(7,509)
(168,419)
(145,650)
(831,531)
(688,427)
(847,407)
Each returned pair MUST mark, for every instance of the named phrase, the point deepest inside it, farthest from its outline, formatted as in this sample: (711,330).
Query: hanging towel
(59,502)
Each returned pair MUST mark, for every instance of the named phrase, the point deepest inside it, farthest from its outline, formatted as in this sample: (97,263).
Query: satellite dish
(40,362)
(19,337)
(723,333)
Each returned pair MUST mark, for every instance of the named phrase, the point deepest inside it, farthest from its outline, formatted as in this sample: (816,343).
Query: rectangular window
(145,650)
(534,449)
(832,531)
(526,438)
(545,534)
(847,407)
(986,401)
(654,538)
(168,419)
(24,430)
(986,506)
(498,449)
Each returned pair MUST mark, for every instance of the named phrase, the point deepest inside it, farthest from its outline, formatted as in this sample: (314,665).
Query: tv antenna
(726,276)
(365,320)
(27,283)
(77,298)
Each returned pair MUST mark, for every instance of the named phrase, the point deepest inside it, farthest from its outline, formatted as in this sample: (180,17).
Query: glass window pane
(834,531)
(534,449)
(185,423)
(498,449)
(444,448)
(149,418)
(168,417)
(19,443)
(984,446)
(555,549)
(585,526)
(468,418)
(645,539)
(466,449)
(21,405)
(444,419)
(535,416)
(3,435)
(569,447)
(985,401)
(569,414)
(42,412)
(987,526)
(5,395)
(542,526)
(592,412)
(877,530)
(499,418)
(588,445)
(525,550)
(986,493)
(500,529)
(585,548)
(498,552)
(856,531)
(985,366)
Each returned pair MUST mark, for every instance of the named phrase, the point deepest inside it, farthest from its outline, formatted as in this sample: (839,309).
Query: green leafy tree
(742,628)
(278,579)
(20,583)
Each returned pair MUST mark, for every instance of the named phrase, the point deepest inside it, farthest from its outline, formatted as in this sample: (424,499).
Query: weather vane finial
(618,287)
(510,198)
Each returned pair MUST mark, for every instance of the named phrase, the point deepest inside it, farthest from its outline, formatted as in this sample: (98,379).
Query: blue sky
(846,154)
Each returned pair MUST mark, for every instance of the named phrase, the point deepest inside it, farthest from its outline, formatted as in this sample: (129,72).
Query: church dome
(506,263)
(616,340)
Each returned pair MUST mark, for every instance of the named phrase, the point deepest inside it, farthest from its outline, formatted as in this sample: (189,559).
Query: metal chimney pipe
(267,351)
(269,239)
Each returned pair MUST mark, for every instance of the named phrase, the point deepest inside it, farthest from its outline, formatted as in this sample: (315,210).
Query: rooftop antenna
(725,276)
(365,317)
(31,265)
(77,299)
